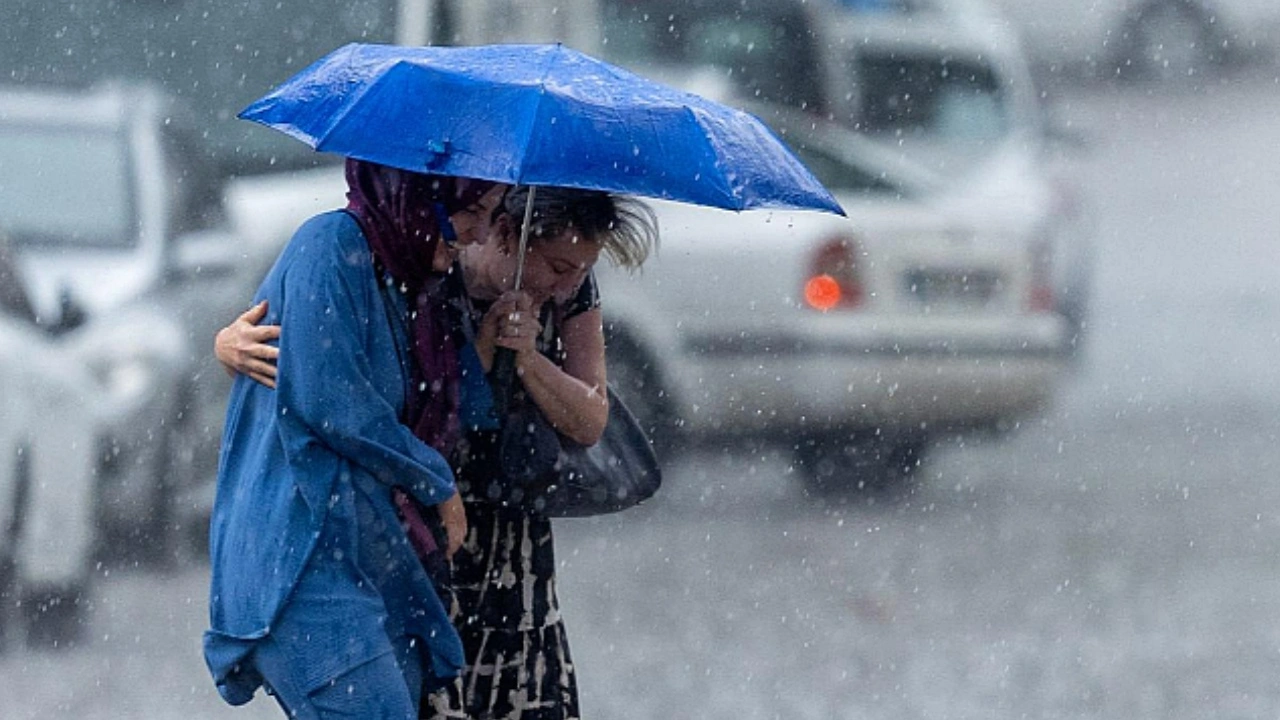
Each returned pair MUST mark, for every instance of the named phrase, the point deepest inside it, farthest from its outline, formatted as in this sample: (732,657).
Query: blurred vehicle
(860,341)
(914,89)
(929,80)
(1144,39)
(219,56)
(117,229)
(48,431)
(956,95)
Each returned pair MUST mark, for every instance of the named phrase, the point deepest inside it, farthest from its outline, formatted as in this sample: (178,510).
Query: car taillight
(1040,289)
(833,280)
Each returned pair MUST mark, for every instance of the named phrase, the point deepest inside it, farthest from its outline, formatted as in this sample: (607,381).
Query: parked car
(1144,39)
(957,96)
(48,431)
(857,341)
(117,227)
(927,79)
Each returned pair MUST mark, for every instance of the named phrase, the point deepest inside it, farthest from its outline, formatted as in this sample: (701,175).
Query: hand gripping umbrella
(537,115)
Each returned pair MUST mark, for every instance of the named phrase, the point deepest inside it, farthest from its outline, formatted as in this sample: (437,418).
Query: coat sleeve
(326,387)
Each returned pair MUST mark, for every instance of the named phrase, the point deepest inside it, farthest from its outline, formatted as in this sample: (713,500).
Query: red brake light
(833,280)
(822,292)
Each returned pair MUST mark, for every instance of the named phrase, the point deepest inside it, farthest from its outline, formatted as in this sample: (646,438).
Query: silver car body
(945,337)
(118,239)
(48,431)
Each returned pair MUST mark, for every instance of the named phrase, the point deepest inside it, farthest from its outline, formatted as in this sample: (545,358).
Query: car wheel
(55,619)
(167,535)
(636,380)
(836,465)
(154,540)
(1169,40)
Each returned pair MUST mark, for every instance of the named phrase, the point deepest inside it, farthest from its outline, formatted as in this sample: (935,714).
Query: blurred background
(1001,444)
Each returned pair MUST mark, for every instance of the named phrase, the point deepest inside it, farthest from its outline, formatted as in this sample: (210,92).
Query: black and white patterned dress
(518,665)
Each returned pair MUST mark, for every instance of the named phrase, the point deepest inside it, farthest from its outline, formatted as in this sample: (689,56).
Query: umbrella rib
(717,178)
(355,98)
(537,111)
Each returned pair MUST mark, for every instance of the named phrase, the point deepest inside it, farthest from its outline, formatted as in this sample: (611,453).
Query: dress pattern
(518,665)
(504,606)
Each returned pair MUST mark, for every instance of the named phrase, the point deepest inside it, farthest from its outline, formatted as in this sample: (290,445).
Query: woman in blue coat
(518,663)
(316,593)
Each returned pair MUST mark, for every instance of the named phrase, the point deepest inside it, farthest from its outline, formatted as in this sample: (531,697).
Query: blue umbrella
(537,115)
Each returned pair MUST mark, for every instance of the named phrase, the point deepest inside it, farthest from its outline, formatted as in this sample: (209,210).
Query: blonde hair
(625,228)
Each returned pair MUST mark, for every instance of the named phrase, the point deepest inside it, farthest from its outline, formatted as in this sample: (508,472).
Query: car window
(766,47)
(827,151)
(47,174)
(930,105)
(218,56)
(841,176)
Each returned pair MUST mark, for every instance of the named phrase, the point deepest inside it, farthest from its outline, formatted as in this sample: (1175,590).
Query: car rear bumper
(822,384)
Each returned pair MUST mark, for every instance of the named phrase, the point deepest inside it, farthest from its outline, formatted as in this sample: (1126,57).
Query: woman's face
(554,267)
(472,225)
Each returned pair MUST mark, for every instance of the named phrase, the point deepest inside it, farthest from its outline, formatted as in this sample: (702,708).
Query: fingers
(506,306)
(268,380)
(262,333)
(518,331)
(456,539)
(259,368)
(256,346)
(254,315)
(454,517)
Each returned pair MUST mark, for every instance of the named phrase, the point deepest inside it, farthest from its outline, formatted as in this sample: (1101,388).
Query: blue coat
(298,462)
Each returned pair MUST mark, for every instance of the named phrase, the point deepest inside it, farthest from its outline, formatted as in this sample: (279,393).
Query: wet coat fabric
(305,478)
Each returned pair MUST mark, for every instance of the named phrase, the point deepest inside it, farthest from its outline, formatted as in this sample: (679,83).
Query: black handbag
(528,464)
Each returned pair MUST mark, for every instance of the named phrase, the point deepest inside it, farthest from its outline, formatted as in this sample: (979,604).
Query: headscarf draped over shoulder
(399,212)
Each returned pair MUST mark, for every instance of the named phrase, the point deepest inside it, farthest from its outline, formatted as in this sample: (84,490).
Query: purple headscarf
(397,210)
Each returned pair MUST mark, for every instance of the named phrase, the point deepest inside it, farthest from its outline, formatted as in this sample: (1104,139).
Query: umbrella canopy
(537,115)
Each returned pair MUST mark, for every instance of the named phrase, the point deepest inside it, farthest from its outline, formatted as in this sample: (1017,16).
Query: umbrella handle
(504,359)
(502,380)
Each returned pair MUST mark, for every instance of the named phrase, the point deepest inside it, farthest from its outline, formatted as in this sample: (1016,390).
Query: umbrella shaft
(524,236)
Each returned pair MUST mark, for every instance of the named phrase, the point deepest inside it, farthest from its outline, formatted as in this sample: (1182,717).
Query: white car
(934,81)
(120,241)
(938,103)
(48,441)
(1156,39)
(858,341)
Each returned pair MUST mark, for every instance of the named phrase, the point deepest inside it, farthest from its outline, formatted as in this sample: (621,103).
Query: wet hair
(625,228)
